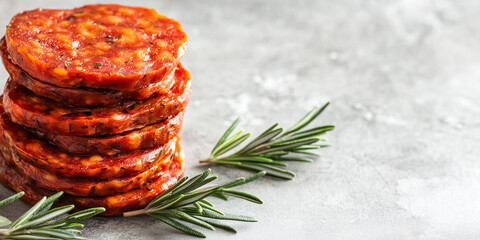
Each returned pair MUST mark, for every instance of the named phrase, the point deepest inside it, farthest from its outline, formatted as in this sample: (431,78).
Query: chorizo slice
(46,156)
(151,136)
(29,110)
(98,46)
(115,205)
(82,97)
(83,186)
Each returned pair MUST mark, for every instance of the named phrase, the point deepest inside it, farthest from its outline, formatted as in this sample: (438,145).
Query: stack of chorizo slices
(93,106)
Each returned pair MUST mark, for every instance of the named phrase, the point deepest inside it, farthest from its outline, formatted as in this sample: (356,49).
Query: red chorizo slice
(115,204)
(29,110)
(83,186)
(151,136)
(97,46)
(82,97)
(46,156)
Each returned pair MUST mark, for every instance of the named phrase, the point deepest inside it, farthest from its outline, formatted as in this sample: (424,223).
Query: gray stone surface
(403,78)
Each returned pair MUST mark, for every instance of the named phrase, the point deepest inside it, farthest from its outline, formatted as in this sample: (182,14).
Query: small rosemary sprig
(185,201)
(269,151)
(42,222)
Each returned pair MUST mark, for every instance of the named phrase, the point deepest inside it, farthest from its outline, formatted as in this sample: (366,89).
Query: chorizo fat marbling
(46,156)
(29,110)
(82,97)
(97,46)
(115,204)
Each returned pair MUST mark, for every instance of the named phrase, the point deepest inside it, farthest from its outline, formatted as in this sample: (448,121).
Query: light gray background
(404,81)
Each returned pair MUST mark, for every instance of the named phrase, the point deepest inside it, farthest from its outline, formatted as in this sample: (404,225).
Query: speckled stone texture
(404,81)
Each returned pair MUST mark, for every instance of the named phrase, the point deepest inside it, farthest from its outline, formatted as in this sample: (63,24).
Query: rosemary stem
(3,231)
(261,146)
(135,213)
(205,187)
(208,160)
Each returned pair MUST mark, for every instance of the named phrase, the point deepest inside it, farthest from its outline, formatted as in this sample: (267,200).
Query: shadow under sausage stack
(93,105)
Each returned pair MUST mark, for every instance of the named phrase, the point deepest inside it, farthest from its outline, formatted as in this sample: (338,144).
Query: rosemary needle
(270,150)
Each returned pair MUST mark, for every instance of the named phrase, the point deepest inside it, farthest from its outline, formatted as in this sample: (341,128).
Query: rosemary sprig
(42,222)
(185,202)
(270,150)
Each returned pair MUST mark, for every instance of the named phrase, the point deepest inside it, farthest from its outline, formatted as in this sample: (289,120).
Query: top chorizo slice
(98,46)
(82,97)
